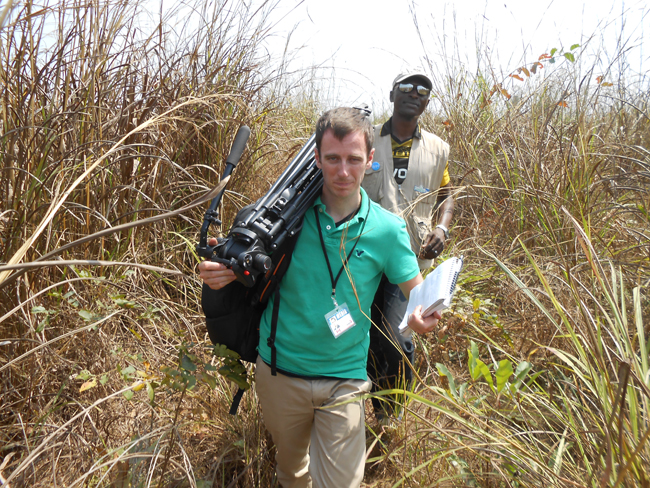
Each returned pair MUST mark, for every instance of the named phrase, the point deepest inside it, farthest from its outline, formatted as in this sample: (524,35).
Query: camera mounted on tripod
(262,227)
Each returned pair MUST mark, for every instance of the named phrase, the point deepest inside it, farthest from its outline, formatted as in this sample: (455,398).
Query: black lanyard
(329,268)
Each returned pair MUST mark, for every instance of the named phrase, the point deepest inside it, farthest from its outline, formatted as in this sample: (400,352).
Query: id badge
(339,320)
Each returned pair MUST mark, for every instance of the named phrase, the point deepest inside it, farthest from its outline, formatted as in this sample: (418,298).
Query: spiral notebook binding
(455,273)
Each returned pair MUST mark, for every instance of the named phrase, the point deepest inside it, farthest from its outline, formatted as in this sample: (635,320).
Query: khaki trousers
(318,427)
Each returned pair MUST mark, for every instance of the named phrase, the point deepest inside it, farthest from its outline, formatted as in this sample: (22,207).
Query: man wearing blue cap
(408,176)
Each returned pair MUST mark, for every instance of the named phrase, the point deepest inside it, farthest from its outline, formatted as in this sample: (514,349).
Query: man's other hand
(433,245)
(422,325)
(215,275)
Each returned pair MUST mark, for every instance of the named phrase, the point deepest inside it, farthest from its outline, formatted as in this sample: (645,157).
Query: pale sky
(361,45)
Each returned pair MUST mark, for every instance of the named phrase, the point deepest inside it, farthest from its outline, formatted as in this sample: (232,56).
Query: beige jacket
(416,197)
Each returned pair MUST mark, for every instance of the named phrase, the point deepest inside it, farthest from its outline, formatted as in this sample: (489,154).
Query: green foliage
(121,301)
(503,373)
(190,371)
(478,370)
(232,367)
(47,316)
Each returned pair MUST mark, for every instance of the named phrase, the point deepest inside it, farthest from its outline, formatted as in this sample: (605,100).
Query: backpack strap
(272,286)
(234,406)
(235,402)
(274,327)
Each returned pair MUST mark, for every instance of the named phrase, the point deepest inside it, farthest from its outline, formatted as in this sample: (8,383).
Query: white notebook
(435,292)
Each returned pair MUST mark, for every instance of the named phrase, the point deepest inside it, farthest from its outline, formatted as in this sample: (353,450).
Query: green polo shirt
(304,342)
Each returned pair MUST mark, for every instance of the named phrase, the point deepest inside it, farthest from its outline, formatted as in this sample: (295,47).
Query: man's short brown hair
(344,121)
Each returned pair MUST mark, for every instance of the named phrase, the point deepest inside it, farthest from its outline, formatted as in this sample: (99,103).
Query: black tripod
(262,227)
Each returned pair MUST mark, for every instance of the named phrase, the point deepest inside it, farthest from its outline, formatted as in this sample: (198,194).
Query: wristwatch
(444,229)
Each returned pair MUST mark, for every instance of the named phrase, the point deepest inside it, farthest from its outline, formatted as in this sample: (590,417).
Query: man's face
(412,104)
(343,163)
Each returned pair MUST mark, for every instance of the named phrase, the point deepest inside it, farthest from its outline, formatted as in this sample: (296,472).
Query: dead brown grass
(106,124)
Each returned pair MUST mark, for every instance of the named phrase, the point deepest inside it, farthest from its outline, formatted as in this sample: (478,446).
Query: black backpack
(233,313)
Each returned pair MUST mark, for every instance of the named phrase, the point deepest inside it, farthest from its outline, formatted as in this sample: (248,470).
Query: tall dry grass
(538,376)
(107,125)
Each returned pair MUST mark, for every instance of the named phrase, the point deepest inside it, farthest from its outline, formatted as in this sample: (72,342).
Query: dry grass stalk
(111,136)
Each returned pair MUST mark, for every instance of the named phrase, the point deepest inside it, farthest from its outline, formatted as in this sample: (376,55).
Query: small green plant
(90,380)
(191,370)
(47,315)
(498,376)
(232,368)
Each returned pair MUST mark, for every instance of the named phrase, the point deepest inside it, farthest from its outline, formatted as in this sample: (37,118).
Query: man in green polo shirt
(312,407)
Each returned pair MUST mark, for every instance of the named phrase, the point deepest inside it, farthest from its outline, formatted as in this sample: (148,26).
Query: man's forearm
(445,208)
